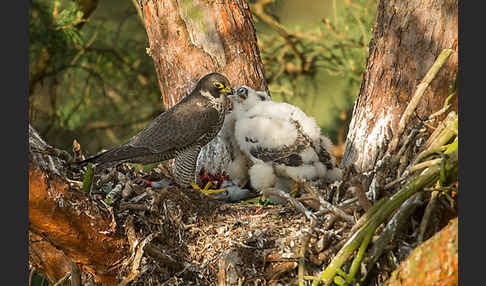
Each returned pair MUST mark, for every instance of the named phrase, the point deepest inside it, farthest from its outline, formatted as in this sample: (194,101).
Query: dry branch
(426,179)
(334,209)
(229,268)
(47,259)
(74,224)
(393,227)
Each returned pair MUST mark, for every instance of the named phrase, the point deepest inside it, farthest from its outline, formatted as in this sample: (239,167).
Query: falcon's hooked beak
(228,90)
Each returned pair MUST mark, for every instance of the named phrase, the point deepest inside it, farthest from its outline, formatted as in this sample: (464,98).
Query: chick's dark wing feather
(278,156)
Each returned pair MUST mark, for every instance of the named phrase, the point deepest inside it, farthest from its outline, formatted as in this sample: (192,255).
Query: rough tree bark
(407,39)
(189,39)
(426,267)
(408,36)
(65,225)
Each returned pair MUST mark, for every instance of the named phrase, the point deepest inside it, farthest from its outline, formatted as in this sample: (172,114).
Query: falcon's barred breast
(178,133)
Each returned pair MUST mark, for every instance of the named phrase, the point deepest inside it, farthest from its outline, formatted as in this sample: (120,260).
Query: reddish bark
(49,260)
(189,39)
(73,224)
(434,262)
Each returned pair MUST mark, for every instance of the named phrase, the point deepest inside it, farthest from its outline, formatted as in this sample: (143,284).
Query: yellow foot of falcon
(206,189)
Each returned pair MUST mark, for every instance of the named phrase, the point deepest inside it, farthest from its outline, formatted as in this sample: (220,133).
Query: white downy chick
(243,99)
(282,141)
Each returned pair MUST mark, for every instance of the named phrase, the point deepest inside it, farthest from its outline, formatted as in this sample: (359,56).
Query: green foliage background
(92,80)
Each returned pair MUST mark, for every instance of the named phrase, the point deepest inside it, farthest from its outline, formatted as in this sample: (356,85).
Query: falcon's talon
(206,189)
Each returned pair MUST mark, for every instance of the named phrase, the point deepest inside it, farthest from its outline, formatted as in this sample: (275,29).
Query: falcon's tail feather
(113,156)
(98,158)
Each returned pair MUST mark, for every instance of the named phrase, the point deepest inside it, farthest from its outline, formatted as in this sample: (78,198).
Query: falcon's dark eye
(218,85)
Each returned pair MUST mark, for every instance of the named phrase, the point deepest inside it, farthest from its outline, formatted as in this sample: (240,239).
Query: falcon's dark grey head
(214,85)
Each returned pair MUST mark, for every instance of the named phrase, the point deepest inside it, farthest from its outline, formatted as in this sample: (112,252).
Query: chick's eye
(218,85)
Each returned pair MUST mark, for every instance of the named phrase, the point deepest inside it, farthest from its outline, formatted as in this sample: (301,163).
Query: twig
(443,109)
(131,206)
(419,92)
(75,275)
(330,221)
(361,196)
(54,152)
(390,205)
(399,219)
(359,257)
(368,214)
(394,182)
(139,10)
(63,279)
(442,134)
(163,258)
(135,271)
(303,249)
(423,165)
(31,275)
(407,141)
(298,205)
(425,219)
(335,210)
(258,9)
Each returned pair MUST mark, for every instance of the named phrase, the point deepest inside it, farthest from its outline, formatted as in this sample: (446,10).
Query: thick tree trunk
(407,40)
(189,39)
(408,37)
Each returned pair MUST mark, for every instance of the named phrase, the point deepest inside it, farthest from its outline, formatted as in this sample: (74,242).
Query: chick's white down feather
(244,99)
(257,122)
(262,176)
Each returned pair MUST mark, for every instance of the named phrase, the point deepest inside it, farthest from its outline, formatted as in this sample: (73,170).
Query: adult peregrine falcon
(180,132)
(283,145)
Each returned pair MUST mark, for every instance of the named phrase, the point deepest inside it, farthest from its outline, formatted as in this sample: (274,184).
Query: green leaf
(88,178)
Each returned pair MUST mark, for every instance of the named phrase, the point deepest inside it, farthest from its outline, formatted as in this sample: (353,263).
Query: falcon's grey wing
(177,128)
